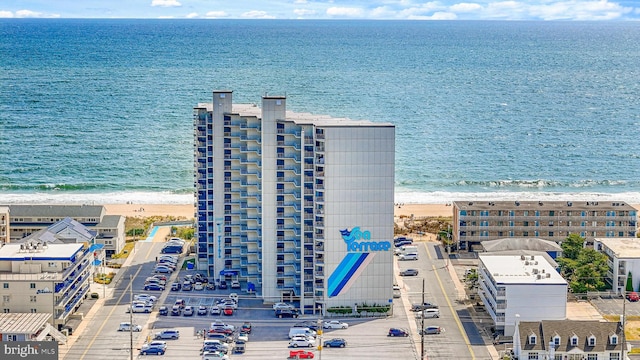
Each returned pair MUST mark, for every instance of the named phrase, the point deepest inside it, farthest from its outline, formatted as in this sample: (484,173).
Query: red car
(633,296)
(300,354)
(228,311)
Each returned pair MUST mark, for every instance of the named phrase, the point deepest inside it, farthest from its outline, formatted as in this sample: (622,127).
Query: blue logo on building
(352,238)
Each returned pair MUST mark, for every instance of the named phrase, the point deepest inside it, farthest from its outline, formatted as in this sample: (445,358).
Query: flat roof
(22,323)
(13,252)
(622,247)
(521,269)
(542,205)
(75,211)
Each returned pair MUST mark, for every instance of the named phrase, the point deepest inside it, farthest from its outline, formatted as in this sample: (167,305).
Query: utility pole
(422,324)
(623,320)
(131,316)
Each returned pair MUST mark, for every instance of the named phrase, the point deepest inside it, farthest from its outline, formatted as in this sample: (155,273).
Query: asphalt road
(366,338)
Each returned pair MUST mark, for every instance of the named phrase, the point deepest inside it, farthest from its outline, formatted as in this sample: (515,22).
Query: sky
(539,10)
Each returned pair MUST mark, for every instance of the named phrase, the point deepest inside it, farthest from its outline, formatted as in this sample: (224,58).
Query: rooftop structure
(623,258)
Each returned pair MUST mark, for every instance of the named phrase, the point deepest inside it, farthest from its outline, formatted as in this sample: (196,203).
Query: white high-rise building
(296,206)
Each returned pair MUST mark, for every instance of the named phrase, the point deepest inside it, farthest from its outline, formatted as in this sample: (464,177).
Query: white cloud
(345,12)
(192,15)
(465,8)
(580,10)
(304,12)
(166,3)
(300,2)
(257,14)
(26,14)
(216,14)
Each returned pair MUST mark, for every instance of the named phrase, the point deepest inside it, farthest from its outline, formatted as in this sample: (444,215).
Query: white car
(334,324)
(302,341)
(126,326)
(139,308)
(214,355)
(145,297)
(243,337)
(198,286)
(282,306)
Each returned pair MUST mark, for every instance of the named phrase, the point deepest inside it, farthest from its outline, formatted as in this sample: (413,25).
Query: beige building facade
(478,221)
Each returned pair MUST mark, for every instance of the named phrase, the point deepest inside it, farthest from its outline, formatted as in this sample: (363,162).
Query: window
(558,357)
(33,298)
(556,340)
(574,340)
(32,285)
(12,337)
(592,340)
(5,285)
(6,311)
(6,298)
(532,340)
(33,311)
(533,356)
(614,356)
(592,356)
(614,340)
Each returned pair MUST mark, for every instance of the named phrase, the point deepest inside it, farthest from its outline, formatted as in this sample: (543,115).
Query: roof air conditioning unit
(521,257)
(539,277)
(548,275)
(526,263)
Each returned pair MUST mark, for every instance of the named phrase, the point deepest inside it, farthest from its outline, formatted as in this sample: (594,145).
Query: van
(408,249)
(305,331)
(409,256)
(428,313)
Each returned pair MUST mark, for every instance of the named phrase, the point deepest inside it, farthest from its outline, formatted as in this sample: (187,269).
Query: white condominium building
(294,205)
(520,286)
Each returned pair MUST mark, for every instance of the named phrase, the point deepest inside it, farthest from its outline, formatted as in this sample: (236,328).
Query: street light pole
(422,324)
(131,316)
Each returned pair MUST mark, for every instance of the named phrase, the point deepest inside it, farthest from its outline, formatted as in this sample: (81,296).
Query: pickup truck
(140,308)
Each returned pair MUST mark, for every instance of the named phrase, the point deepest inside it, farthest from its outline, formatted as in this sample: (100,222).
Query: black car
(287,313)
(163,310)
(222,284)
(313,325)
(409,272)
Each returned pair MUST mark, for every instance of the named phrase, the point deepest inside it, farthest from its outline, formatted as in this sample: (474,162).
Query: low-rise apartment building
(44,278)
(4,225)
(525,287)
(28,219)
(28,327)
(623,257)
(478,221)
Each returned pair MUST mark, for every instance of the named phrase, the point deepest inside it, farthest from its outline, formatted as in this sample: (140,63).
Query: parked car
(219,336)
(409,272)
(153,287)
(163,310)
(302,341)
(145,297)
(300,354)
(211,285)
(222,284)
(246,328)
(163,269)
(398,332)
(633,296)
(215,310)
(139,308)
(335,324)
(215,355)
(228,311)
(287,313)
(202,310)
(176,286)
(396,292)
(430,330)
(281,305)
(198,286)
(176,310)
(126,326)
(311,324)
(187,311)
(180,302)
(187,286)
(235,284)
(407,257)
(335,342)
(146,350)
(172,334)
(215,347)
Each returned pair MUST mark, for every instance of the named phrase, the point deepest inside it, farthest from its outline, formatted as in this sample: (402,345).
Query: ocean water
(101,110)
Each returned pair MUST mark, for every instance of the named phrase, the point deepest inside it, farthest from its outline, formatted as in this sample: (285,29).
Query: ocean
(100,111)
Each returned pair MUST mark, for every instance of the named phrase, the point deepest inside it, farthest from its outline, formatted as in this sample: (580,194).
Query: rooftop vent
(470,203)
(569,203)
(517,203)
(548,275)
(540,203)
(521,257)
(539,276)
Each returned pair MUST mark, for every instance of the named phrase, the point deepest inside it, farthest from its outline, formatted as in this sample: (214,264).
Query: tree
(572,246)
(629,282)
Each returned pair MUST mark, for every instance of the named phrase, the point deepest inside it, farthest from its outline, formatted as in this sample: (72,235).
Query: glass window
(614,356)
(5,285)
(533,356)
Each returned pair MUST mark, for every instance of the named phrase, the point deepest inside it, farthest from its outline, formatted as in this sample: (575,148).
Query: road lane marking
(104,322)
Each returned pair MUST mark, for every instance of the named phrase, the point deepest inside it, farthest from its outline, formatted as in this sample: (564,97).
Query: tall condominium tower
(293,205)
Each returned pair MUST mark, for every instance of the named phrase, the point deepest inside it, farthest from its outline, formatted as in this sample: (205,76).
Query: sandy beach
(187,210)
